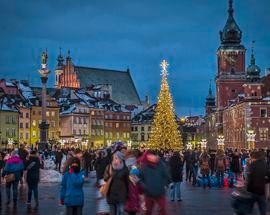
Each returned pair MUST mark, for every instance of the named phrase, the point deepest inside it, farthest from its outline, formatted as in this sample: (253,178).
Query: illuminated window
(34,123)
(47,113)
(117,125)
(263,134)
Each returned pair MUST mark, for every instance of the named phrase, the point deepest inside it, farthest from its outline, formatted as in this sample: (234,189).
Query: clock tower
(231,62)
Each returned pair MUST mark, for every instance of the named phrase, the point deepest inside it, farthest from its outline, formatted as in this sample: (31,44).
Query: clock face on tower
(231,59)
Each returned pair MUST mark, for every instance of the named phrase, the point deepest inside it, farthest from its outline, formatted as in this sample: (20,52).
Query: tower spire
(230,10)
(210,88)
(252,59)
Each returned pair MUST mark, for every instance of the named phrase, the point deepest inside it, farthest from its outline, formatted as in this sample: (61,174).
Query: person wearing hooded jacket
(118,190)
(154,180)
(71,193)
(14,165)
(32,167)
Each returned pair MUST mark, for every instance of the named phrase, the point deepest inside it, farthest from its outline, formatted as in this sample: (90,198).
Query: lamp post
(220,142)
(189,146)
(44,126)
(204,144)
(251,139)
(10,143)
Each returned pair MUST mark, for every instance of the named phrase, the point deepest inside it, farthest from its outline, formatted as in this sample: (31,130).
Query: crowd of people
(137,181)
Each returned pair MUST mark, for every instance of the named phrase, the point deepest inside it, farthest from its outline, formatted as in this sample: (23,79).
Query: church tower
(231,62)
(210,103)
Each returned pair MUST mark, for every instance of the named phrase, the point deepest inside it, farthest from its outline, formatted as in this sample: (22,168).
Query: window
(117,125)
(263,134)
(47,113)
(263,112)
(53,113)
(101,132)
(98,133)
(92,113)
(93,132)
(135,128)
(142,129)
(117,135)
(124,135)
(39,112)
(149,128)
(74,131)
(53,124)
(34,112)
(26,136)
(27,115)
(27,125)
(142,137)
(117,117)
(21,135)
(21,115)
(106,134)
(111,134)
(34,123)
(21,125)
(128,135)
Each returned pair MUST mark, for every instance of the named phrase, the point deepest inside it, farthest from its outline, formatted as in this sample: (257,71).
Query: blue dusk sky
(117,34)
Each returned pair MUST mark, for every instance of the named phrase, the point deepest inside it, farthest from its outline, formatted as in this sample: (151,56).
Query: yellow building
(52,115)
(24,124)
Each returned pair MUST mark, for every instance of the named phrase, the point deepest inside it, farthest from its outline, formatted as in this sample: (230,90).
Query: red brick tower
(231,62)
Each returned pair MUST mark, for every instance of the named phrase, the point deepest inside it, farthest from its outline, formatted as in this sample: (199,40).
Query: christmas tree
(165,134)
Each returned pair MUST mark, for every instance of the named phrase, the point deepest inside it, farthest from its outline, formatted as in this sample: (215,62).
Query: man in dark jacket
(32,176)
(187,161)
(58,159)
(154,180)
(195,164)
(257,177)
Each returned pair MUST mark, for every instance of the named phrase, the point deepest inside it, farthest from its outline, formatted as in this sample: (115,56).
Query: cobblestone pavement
(196,201)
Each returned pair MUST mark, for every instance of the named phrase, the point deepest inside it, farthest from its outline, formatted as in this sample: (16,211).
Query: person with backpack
(32,168)
(220,167)
(205,169)
(12,173)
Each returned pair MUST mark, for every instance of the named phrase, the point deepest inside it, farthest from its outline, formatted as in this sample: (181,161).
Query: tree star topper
(164,64)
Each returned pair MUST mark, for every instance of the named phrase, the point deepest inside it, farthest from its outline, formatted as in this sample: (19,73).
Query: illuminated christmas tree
(165,134)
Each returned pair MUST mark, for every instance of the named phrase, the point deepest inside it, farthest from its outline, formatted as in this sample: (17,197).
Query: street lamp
(44,126)
(220,142)
(129,144)
(251,139)
(10,143)
(189,146)
(204,144)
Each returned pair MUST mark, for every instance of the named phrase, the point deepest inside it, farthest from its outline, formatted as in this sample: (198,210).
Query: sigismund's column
(44,126)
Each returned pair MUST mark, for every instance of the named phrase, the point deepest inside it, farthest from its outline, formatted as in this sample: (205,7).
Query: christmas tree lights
(165,134)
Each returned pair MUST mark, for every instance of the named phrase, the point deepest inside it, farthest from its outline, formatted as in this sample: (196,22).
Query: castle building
(241,112)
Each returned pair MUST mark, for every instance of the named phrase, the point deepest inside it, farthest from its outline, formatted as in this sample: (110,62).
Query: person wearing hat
(132,205)
(12,173)
(71,193)
(118,189)
(32,167)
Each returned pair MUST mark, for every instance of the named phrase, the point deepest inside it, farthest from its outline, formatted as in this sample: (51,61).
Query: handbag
(9,178)
(105,187)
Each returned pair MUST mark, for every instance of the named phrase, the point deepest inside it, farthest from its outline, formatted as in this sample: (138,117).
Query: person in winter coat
(236,166)
(187,160)
(118,190)
(58,159)
(205,168)
(176,169)
(101,163)
(32,167)
(258,175)
(14,165)
(195,165)
(71,193)
(220,167)
(132,205)
(154,180)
